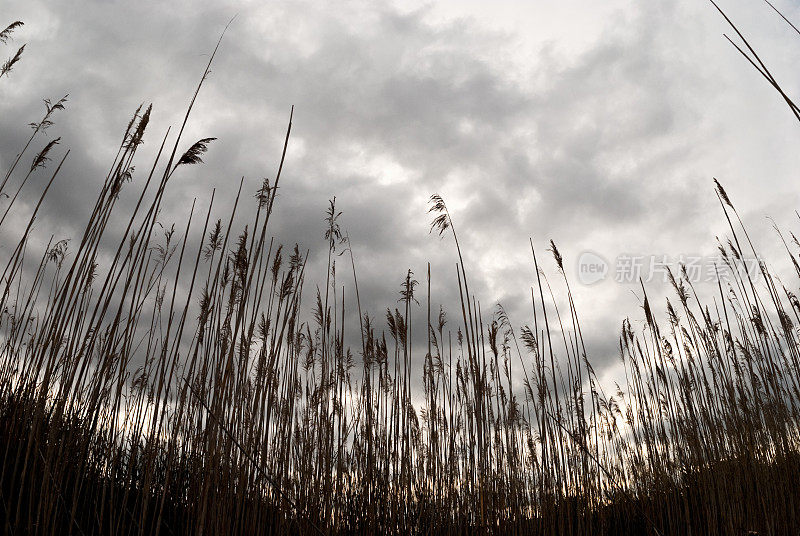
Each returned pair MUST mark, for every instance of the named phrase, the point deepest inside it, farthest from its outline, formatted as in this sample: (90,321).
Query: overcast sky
(597,124)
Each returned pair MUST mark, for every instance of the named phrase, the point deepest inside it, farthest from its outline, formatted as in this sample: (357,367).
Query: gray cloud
(609,147)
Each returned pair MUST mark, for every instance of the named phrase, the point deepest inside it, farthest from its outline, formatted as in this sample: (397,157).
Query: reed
(187,387)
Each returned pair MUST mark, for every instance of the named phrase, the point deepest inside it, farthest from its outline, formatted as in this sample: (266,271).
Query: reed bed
(193,387)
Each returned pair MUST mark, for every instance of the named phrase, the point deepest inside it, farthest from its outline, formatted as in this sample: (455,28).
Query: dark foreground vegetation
(156,383)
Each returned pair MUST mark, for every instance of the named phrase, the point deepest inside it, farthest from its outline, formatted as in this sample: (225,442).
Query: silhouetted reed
(181,387)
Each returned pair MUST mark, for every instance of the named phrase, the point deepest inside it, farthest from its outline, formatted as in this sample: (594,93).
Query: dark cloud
(610,147)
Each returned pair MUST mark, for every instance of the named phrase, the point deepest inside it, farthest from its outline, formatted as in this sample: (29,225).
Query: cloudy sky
(597,124)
